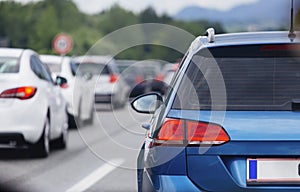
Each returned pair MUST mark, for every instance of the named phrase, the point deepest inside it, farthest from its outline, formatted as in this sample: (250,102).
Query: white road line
(95,176)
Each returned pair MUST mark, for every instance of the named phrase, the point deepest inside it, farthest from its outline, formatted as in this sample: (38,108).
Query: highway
(99,157)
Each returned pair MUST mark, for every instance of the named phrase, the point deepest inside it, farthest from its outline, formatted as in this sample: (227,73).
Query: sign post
(62,43)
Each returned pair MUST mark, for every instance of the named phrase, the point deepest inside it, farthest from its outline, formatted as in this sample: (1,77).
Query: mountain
(261,15)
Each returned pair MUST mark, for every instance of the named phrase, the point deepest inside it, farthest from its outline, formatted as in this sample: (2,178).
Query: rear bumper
(205,177)
(25,118)
(12,140)
(218,168)
(170,183)
(226,164)
(214,173)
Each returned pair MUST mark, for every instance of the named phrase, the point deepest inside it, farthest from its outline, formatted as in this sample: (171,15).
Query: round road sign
(62,43)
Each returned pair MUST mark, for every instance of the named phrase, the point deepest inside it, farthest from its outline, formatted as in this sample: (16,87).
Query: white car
(78,92)
(110,87)
(32,108)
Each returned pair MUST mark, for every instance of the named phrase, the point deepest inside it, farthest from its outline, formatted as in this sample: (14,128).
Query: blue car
(230,122)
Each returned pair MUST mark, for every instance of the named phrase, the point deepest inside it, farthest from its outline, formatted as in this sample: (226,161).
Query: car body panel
(252,133)
(78,94)
(27,117)
(249,125)
(105,91)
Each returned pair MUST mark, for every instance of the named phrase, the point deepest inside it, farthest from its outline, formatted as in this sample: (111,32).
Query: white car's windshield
(9,65)
(92,68)
(54,67)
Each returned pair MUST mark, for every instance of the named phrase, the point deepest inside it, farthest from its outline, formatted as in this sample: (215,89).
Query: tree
(44,28)
(149,16)
(115,18)
(35,24)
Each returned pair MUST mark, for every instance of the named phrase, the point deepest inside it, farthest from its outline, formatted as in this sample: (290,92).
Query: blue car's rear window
(240,83)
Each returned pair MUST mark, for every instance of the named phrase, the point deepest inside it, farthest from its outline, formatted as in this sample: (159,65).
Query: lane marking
(95,176)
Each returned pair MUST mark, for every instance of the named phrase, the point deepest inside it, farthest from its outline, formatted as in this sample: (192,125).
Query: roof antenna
(292,34)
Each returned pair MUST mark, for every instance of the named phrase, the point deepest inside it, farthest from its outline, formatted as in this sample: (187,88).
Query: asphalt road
(99,157)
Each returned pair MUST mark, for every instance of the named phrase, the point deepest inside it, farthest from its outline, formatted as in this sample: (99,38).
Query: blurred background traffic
(34,25)
(53,78)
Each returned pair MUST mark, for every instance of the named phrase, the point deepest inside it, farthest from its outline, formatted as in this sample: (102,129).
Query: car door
(59,103)
(54,98)
(87,95)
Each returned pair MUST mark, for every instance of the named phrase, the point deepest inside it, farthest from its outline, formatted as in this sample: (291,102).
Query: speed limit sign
(62,43)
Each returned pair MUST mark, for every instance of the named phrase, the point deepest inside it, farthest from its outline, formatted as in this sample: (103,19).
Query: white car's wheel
(42,147)
(78,118)
(71,122)
(90,121)
(61,142)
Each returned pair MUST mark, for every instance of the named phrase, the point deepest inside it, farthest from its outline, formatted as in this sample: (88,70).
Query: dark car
(109,86)
(133,75)
(231,121)
(143,76)
(153,77)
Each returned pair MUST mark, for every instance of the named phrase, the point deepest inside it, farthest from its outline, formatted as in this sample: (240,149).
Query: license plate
(263,171)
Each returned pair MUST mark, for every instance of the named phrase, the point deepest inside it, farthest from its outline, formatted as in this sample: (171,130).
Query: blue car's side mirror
(147,103)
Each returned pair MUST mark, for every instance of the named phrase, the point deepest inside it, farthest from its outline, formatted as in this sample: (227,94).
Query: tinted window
(47,72)
(74,67)
(113,68)
(54,67)
(9,65)
(40,69)
(93,68)
(267,83)
(123,68)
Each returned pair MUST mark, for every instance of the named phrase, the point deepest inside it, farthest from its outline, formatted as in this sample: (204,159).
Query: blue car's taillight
(186,132)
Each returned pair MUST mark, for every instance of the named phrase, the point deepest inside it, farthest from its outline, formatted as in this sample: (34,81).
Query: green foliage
(43,29)
(14,23)
(84,39)
(149,16)
(35,24)
(114,19)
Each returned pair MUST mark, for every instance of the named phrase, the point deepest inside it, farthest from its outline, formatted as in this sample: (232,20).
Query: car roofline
(241,38)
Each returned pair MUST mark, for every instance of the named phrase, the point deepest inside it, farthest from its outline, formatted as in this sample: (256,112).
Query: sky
(171,7)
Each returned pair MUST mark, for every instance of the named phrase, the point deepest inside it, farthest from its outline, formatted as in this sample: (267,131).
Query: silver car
(110,87)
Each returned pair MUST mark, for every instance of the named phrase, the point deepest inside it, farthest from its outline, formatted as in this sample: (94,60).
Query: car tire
(140,169)
(61,142)
(71,122)
(78,120)
(42,148)
(118,104)
(140,180)
(90,121)
(114,103)
(122,103)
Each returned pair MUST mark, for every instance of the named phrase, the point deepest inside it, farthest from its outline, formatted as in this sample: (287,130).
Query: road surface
(99,157)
